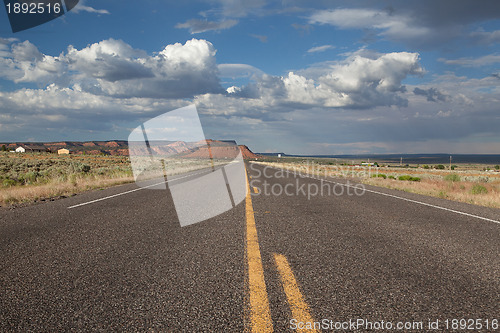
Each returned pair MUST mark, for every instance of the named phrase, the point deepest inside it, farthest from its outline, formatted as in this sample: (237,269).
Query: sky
(293,76)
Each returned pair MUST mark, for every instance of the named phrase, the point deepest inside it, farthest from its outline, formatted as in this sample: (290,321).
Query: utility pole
(450,162)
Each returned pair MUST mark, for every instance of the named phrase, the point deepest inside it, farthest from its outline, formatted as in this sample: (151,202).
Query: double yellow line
(259,312)
(260,315)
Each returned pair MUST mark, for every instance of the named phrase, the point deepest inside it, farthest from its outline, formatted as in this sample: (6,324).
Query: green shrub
(497,167)
(392,177)
(453,167)
(381,175)
(478,189)
(452,177)
(426,166)
(9,182)
(409,178)
(85,168)
(440,167)
(30,177)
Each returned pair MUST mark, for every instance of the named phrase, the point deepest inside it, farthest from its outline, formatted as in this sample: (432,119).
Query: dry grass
(25,178)
(32,193)
(457,191)
(432,182)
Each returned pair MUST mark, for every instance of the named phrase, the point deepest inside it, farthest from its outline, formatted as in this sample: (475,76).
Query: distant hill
(120,147)
(247,153)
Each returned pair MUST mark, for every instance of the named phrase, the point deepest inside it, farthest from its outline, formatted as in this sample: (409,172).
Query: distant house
(63,151)
(31,149)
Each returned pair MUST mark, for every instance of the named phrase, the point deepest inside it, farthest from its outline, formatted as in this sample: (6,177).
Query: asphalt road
(125,264)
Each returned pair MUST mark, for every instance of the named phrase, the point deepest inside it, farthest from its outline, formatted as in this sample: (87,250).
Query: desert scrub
(380,175)
(8,182)
(478,189)
(452,177)
(409,178)
(26,177)
(32,169)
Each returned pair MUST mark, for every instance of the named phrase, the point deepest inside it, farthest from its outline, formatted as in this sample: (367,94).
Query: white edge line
(395,196)
(126,192)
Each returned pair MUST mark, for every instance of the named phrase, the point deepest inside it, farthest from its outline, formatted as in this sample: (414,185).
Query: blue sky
(303,77)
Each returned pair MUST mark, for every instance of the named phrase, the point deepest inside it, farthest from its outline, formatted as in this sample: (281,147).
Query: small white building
(31,149)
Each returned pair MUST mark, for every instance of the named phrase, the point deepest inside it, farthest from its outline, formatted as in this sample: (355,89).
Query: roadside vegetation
(474,184)
(41,176)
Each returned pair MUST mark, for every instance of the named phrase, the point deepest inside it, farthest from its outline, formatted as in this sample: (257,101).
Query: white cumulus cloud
(357,82)
(112,67)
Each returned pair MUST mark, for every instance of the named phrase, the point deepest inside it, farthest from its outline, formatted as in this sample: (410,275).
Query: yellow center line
(300,309)
(260,315)
(255,189)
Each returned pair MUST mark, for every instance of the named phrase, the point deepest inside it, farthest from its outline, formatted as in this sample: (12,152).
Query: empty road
(118,260)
